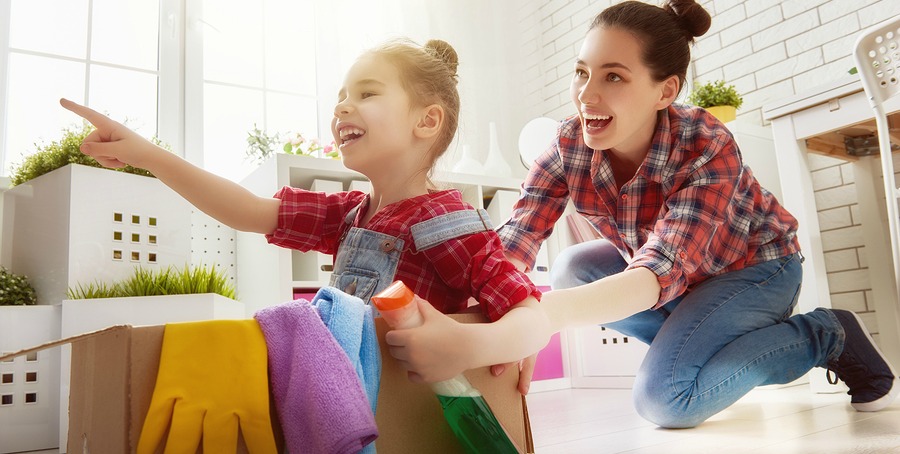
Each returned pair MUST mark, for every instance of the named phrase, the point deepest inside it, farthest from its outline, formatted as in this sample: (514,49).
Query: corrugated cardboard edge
(59,342)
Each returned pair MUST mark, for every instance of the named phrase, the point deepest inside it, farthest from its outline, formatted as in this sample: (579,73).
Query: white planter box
(80,224)
(82,316)
(29,421)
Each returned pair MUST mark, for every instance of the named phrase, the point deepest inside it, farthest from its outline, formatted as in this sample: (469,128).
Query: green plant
(715,93)
(261,145)
(62,152)
(15,289)
(168,281)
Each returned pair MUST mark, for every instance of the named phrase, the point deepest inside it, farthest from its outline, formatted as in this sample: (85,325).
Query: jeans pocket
(358,282)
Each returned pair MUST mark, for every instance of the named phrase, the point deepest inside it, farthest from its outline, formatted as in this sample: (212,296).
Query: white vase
(468,163)
(495,165)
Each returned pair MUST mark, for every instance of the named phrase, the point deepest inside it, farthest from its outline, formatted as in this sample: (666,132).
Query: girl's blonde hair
(428,74)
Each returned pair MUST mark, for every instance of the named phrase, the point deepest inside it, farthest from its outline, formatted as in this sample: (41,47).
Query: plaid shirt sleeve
(545,194)
(311,221)
(680,242)
(477,263)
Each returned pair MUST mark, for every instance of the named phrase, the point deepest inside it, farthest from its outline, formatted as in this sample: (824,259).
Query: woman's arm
(114,145)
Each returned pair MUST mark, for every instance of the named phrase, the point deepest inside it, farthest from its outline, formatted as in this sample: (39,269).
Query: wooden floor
(772,421)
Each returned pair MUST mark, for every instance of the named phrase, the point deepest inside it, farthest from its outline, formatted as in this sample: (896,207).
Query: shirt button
(624,196)
(622,236)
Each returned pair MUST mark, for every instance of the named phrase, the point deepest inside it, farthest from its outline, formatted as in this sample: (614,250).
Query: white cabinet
(268,275)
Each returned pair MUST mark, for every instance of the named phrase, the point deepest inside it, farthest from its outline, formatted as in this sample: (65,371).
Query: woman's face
(616,97)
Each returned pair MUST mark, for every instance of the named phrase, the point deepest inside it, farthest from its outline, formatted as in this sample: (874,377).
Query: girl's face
(373,120)
(616,97)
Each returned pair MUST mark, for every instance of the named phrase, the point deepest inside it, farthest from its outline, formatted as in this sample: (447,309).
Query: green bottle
(465,410)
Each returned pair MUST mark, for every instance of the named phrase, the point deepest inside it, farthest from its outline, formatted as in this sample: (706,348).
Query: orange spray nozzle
(393,297)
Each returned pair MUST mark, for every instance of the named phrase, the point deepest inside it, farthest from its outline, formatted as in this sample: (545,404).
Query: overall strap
(445,227)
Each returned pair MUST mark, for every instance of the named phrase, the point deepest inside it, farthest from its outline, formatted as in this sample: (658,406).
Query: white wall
(769,49)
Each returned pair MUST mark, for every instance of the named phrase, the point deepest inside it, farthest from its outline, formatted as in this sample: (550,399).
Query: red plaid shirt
(692,211)
(446,275)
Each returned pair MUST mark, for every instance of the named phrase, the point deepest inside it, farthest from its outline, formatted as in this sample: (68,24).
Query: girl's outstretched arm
(114,145)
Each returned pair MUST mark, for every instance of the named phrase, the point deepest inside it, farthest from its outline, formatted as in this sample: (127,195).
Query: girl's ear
(429,124)
(669,92)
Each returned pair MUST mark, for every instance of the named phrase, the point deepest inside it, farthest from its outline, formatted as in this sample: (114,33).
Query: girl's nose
(342,108)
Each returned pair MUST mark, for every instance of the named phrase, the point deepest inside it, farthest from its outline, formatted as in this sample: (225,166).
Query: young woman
(697,259)
(396,115)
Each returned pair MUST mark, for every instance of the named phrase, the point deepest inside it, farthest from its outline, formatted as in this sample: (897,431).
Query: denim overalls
(366,261)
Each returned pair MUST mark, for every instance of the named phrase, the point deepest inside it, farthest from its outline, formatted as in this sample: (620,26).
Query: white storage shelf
(268,275)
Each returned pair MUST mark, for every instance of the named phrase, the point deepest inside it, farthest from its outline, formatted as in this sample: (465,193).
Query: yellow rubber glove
(212,378)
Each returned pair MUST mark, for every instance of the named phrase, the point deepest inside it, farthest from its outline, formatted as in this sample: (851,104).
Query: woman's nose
(588,93)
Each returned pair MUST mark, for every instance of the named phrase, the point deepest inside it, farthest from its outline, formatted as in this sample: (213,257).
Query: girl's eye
(365,95)
(580,72)
(613,77)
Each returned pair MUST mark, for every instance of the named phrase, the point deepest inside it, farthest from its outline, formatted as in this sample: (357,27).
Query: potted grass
(719,99)
(151,297)
(66,219)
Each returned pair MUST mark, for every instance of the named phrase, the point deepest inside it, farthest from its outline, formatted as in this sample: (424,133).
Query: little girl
(397,113)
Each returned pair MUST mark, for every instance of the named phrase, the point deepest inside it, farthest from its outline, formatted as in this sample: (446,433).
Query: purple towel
(319,399)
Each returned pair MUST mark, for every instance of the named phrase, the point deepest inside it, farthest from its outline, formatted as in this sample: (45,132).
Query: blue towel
(352,323)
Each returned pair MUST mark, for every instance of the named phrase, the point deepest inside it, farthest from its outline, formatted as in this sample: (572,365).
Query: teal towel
(352,324)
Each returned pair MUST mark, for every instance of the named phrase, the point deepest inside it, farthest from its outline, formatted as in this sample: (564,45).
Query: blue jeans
(716,342)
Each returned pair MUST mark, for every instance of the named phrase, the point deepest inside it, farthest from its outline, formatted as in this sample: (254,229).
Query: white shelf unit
(267,275)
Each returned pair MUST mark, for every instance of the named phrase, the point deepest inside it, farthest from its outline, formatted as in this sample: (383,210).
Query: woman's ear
(669,92)
(429,124)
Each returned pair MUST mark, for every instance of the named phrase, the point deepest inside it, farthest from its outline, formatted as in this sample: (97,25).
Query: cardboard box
(114,372)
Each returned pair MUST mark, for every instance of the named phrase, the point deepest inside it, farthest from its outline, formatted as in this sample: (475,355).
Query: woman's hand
(526,371)
(112,144)
(439,349)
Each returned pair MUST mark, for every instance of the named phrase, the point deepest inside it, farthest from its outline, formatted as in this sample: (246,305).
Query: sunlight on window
(125,95)
(33,19)
(35,86)
(49,59)
(259,68)
(126,33)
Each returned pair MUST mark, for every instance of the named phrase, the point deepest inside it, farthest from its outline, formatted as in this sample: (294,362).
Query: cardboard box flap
(59,342)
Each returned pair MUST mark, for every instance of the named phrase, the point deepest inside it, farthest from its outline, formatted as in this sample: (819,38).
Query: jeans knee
(664,410)
(565,269)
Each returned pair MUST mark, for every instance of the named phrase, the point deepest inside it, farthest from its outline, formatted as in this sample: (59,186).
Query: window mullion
(193,82)
(170,97)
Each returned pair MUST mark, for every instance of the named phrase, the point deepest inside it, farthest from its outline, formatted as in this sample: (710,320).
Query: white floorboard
(773,421)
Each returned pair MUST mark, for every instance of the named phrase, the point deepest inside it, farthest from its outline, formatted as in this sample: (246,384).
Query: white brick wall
(769,49)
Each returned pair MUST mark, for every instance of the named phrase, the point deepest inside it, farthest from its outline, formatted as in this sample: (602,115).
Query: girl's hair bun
(445,52)
(693,19)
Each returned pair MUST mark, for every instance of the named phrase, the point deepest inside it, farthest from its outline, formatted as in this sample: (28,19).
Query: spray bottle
(469,416)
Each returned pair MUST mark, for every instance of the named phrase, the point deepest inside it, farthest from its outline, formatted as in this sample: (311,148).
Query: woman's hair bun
(444,51)
(690,16)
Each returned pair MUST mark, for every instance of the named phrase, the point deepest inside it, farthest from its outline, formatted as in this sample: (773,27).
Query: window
(199,85)
(112,65)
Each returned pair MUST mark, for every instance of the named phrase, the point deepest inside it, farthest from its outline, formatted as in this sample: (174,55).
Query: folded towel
(320,401)
(352,323)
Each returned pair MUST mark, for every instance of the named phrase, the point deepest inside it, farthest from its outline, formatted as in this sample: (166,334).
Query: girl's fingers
(95,118)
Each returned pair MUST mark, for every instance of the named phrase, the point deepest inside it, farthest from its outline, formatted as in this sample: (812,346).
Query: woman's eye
(613,77)
(365,95)
(580,73)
